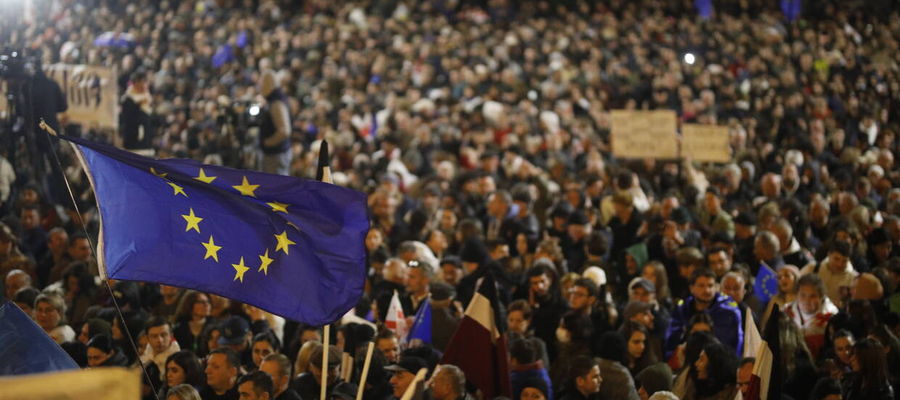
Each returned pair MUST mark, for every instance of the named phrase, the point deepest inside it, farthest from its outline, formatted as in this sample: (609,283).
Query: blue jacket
(728,325)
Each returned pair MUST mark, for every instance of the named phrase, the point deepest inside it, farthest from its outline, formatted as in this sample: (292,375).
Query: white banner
(90,384)
(92,93)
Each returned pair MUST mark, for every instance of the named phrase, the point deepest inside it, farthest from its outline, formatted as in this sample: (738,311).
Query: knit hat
(596,274)
(868,287)
(536,383)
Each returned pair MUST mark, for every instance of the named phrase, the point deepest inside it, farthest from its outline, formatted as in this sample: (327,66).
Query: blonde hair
(303,356)
(183,392)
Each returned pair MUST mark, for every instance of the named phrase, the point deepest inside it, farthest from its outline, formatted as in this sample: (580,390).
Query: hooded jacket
(728,325)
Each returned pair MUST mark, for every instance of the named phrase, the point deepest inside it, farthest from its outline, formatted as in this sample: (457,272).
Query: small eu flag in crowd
(421,328)
(766,284)
(290,246)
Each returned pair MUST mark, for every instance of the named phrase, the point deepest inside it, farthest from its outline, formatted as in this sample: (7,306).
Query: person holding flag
(811,311)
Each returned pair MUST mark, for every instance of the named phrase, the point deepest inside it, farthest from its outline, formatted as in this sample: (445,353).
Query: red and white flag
(478,346)
(396,320)
(766,380)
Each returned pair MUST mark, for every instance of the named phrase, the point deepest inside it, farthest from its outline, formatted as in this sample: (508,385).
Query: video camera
(15,66)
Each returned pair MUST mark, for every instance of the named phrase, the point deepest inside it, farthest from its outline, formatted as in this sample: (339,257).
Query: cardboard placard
(644,134)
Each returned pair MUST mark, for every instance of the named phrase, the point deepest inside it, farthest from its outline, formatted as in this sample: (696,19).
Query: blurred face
(202,307)
(636,344)
(786,281)
(247,391)
(374,239)
(390,348)
(174,374)
(649,273)
(57,242)
(711,202)
(437,241)
(532,394)
(159,337)
(540,284)
(46,315)
(279,379)
(645,318)
(14,283)
(261,349)
(220,374)
(704,289)
(451,274)
(809,299)
(590,383)
(80,250)
(84,335)
(701,365)
(719,263)
(837,262)
(843,348)
(417,282)
(441,386)
(641,294)
(579,299)
(96,357)
(448,220)
(400,381)
(168,291)
(517,322)
(734,287)
(30,219)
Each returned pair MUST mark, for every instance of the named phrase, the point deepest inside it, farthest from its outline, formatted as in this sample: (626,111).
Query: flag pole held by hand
(411,389)
(365,371)
(325,350)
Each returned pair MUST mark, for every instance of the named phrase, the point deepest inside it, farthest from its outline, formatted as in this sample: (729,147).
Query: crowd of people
(480,132)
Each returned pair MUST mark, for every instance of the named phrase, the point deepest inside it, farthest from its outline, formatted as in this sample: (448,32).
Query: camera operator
(275,125)
(135,120)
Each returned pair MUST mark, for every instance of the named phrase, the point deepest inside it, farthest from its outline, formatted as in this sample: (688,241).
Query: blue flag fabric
(25,348)
(792,9)
(422,326)
(290,246)
(704,8)
(766,284)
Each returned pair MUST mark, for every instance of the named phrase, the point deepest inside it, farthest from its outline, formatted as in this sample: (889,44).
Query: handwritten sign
(92,93)
(644,134)
(709,143)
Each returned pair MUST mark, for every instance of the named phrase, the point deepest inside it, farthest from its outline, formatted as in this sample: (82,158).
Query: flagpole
(411,389)
(325,350)
(365,371)
(50,131)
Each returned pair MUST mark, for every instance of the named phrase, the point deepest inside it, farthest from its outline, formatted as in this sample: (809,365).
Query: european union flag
(422,325)
(290,246)
(25,348)
(766,284)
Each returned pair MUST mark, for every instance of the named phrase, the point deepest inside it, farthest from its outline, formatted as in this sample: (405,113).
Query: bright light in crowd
(254,110)
(689,58)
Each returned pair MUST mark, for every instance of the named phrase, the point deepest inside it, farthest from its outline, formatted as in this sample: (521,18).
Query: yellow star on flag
(178,189)
(204,178)
(278,207)
(265,260)
(211,249)
(246,188)
(239,270)
(193,221)
(159,174)
(283,242)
